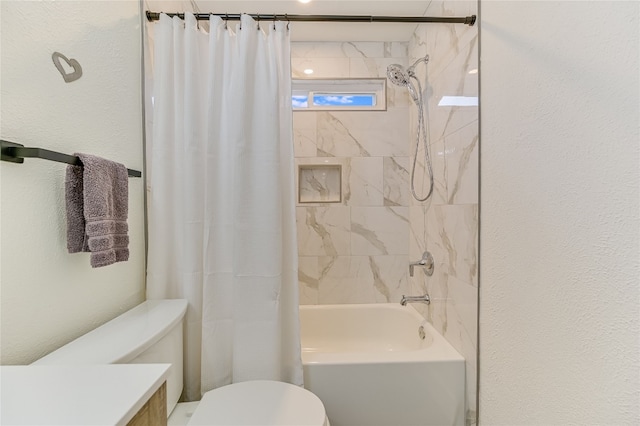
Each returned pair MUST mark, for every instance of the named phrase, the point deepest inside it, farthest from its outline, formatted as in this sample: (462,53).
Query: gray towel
(97,197)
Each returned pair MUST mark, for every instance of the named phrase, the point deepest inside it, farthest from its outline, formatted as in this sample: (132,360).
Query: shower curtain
(221,218)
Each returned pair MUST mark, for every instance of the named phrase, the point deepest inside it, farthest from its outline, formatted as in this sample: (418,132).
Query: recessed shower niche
(319,183)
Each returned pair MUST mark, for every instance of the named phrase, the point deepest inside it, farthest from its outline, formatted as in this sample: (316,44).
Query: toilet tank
(150,333)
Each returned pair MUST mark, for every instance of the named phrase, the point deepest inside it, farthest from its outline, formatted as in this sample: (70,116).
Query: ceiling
(321,31)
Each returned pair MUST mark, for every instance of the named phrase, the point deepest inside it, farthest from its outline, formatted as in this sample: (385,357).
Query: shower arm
(411,69)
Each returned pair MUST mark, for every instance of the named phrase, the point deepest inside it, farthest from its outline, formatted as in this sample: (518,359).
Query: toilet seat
(259,402)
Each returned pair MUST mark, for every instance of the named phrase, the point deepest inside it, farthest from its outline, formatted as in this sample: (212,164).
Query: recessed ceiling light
(304,1)
(308,71)
(474,71)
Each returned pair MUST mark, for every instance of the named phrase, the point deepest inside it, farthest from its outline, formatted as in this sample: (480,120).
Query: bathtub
(370,366)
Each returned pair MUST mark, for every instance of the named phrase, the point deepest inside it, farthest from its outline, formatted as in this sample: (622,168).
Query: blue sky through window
(338,94)
(354,100)
(300,101)
(329,100)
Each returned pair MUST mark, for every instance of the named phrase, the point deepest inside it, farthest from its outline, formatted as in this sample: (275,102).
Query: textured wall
(50,297)
(447,224)
(560,242)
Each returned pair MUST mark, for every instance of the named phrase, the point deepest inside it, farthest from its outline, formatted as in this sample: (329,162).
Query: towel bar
(16,153)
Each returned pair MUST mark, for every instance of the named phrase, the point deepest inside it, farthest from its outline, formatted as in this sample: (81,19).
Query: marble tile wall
(357,250)
(447,225)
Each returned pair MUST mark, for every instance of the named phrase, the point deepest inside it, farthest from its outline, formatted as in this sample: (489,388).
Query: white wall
(49,296)
(560,225)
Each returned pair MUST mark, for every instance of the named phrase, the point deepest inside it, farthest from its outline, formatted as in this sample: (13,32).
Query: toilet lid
(260,402)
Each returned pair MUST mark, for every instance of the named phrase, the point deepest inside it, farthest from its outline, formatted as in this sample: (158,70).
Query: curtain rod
(468,20)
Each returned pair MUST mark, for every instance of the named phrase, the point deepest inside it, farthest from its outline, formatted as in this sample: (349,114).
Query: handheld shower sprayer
(402,77)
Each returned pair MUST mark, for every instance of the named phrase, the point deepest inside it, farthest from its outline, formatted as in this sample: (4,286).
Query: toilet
(152,333)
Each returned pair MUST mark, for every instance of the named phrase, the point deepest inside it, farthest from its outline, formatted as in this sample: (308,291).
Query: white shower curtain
(221,216)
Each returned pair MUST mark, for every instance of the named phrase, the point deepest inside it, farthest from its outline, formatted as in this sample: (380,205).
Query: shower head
(398,75)
(401,77)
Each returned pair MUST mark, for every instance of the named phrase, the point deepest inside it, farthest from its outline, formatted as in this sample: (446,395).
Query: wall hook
(68,76)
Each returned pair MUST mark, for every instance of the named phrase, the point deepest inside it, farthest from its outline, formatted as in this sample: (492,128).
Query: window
(339,94)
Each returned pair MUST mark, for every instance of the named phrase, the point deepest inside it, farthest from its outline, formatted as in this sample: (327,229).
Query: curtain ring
(226,19)
(258,20)
(287,19)
(274,22)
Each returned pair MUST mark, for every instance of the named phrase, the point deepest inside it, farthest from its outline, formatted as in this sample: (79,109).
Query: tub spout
(423,299)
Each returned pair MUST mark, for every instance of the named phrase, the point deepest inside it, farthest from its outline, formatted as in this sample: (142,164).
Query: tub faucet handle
(426,262)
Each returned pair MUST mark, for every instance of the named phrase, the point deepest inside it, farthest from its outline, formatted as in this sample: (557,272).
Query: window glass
(346,99)
(300,101)
(339,94)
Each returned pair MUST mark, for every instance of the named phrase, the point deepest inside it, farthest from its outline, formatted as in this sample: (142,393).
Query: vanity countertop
(76,395)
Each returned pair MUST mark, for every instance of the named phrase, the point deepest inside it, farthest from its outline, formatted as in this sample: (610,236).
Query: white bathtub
(369,366)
